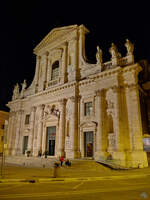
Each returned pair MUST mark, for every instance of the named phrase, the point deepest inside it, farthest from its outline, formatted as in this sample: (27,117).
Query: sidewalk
(80,170)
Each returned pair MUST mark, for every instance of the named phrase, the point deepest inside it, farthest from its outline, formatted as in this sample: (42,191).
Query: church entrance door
(88,144)
(51,137)
(25,144)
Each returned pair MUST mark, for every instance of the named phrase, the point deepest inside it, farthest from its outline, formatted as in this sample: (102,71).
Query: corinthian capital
(33,109)
(62,101)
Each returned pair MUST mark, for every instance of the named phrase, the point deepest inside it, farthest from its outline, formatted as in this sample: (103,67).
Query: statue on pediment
(24,85)
(129,46)
(15,92)
(99,57)
(114,51)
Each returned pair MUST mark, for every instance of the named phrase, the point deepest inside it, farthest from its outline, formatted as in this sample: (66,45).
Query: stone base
(119,158)
(136,159)
(100,155)
(71,154)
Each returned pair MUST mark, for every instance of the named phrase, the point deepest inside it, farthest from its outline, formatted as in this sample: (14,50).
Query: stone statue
(15,92)
(129,46)
(24,85)
(99,56)
(114,51)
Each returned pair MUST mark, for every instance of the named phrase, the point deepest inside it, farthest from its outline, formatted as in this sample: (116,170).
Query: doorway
(25,144)
(88,144)
(51,137)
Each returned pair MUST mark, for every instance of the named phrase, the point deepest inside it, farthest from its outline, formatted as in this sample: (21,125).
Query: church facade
(77,109)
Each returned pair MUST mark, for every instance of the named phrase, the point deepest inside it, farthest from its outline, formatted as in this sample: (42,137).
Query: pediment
(88,124)
(53,35)
(50,117)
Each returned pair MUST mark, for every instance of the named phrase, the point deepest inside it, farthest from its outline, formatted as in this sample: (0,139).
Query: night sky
(24,23)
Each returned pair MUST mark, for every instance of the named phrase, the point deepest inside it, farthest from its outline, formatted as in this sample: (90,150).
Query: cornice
(101,75)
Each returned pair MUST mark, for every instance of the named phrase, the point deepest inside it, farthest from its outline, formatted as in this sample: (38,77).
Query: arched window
(55,70)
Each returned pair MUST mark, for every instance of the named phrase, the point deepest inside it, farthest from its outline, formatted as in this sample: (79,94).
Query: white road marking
(78,185)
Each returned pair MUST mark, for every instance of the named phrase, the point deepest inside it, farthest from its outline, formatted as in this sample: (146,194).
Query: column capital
(62,101)
(116,88)
(41,106)
(46,53)
(100,92)
(20,111)
(33,108)
(38,57)
(73,99)
(131,86)
(12,113)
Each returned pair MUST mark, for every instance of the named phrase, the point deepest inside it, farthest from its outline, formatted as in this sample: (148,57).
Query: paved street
(84,180)
(124,189)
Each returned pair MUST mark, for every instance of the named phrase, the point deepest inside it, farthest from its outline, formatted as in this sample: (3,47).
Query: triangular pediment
(88,124)
(53,35)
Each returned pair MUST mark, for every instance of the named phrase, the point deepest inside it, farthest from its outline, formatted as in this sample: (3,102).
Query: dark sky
(24,23)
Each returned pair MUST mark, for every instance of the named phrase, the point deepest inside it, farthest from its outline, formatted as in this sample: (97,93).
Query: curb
(56,180)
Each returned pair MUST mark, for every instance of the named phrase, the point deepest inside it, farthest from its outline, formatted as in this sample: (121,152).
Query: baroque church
(76,109)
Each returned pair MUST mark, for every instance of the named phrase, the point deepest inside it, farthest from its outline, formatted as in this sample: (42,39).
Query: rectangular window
(27,119)
(2,138)
(2,126)
(88,109)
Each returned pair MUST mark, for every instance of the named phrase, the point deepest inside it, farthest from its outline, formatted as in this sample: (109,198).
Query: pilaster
(39,130)
(72,153)
(38,60)
(101,135)
(61,141)
(18,132)
(136,157)
(31,136)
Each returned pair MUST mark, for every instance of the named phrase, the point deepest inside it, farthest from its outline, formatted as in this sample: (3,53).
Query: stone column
(73,129)
(12,134)
(135,158)
(45,70)
(17,137)
(32,120)
(78,145)
(101,135)
(10,130)
(81,44)
(37,70)
(118,153)
(61,140)
(64,63)
(40,128)
(76,59)
(44,139)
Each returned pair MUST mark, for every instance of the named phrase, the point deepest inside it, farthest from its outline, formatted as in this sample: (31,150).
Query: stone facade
(4,116)
(76,109)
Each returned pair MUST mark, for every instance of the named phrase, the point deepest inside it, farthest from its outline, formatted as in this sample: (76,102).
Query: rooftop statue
(114,51)
(24,85)
(99,57)
(15,92)
(129,46)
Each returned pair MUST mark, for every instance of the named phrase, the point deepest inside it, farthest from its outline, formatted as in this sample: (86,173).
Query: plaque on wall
(68,143)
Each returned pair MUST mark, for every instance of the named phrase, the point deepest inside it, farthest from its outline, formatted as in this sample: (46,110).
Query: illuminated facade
(3,123)
(77,109)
